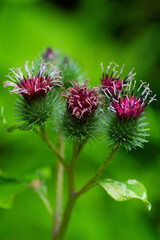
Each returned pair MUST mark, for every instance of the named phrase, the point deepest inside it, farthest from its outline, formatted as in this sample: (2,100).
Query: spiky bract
(31,113)
(81,129)
(127,133)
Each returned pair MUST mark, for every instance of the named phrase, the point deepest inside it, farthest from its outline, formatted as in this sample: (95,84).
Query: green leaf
(122,191)
(8,189)
(41,174)
(11,186)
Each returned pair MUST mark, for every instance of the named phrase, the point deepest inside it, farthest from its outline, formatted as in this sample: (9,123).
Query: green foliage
(127,133)
(81,129)
(122,191)
(36,111)
(10,186)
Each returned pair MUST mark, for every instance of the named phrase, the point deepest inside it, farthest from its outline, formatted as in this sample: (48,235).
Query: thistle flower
(82,102)
(82,114)
(112,81)
(128,104)
(124,124)
(34,84)
(37,95)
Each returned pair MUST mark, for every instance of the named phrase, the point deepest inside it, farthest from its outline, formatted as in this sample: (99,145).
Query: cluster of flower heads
(34,85)
(82,101)
(124,101)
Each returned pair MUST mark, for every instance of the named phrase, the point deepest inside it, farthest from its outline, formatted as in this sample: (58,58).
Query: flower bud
(125,125)
(81,114)
(36,93)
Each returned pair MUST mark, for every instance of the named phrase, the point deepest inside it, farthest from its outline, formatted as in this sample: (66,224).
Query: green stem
(76,151)
(92,181)
(59,190)
(47,141)
(73,195)
(71,192)
(66,218)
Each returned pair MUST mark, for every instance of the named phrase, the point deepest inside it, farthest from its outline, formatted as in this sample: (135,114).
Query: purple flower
(128,104)
(82,101)
(110,81)
(34,84)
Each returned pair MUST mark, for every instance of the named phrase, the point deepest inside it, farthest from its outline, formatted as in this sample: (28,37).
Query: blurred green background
(91,31)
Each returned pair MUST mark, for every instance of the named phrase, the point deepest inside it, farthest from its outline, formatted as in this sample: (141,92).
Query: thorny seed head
(127,104)
(82,101)
(34,84)
(112,81)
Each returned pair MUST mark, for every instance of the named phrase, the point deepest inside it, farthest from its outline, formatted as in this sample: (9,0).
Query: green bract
(36,111)
(83,129)
(128,133)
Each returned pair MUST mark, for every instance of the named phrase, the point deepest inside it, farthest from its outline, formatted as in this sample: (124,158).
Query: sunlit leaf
(122,191)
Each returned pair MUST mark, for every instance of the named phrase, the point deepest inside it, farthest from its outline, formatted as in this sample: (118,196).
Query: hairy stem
(71,192)
(92,181)
(59,190)
(66,218)
(47,141)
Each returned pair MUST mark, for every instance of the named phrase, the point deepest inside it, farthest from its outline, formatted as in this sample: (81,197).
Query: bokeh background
(91,31)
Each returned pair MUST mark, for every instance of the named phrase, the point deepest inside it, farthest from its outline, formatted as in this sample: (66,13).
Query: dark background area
(91,32)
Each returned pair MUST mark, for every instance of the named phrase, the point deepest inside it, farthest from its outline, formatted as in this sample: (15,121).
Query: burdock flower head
(82,105)
(82,101)
(128,104)
(126,125)
(37,93)
(113,80)
(33,85)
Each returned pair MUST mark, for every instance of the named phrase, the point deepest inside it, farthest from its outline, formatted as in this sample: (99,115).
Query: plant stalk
(47,141)
(71,192)
(59,190)
(66,218)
